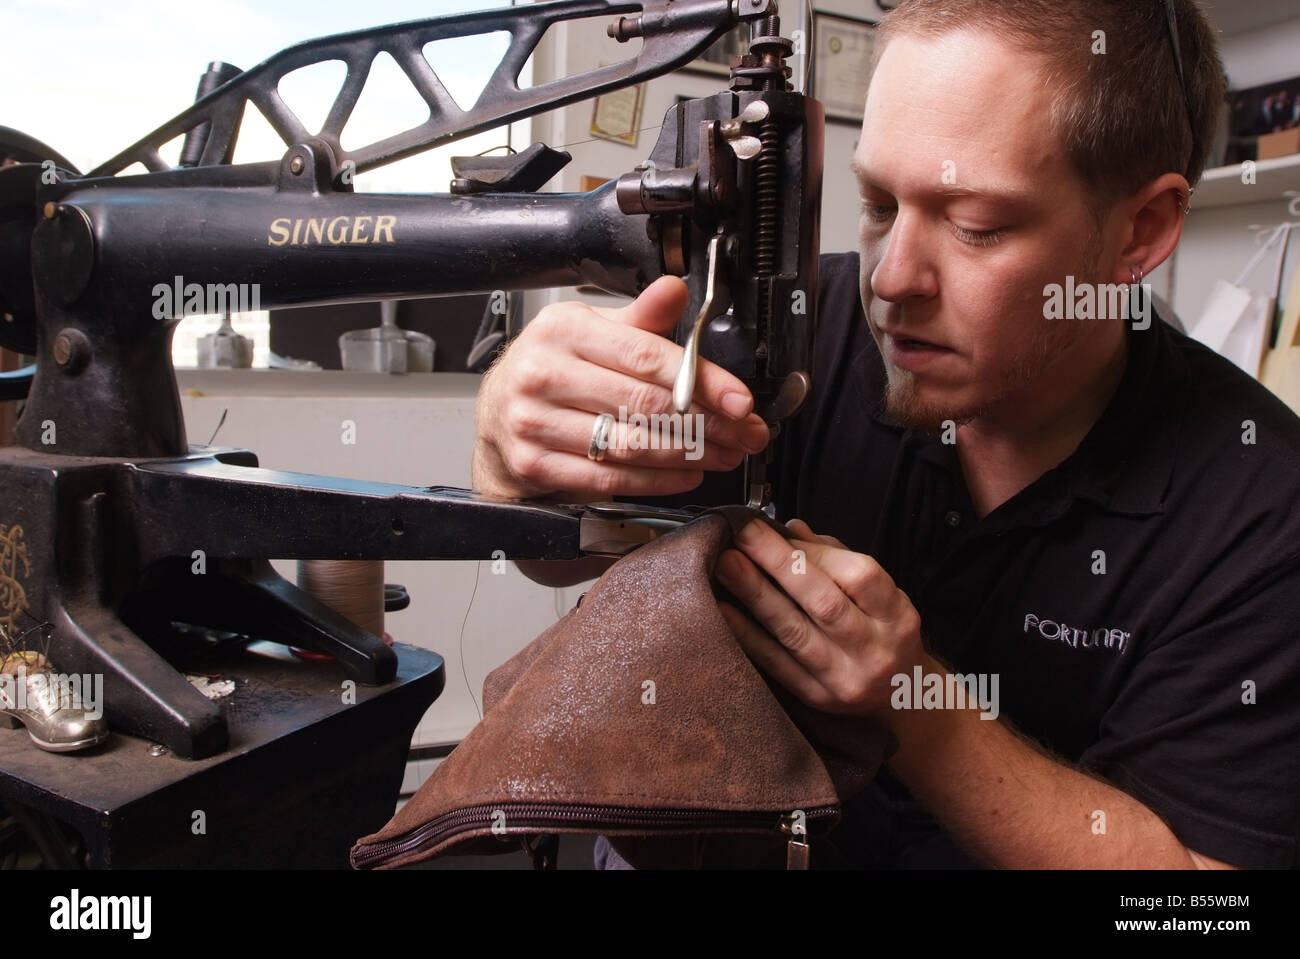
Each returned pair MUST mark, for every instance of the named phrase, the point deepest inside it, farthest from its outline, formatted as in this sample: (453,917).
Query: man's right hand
(538,405)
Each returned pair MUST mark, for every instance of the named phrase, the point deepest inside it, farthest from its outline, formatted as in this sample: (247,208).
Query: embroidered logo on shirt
(1077,637)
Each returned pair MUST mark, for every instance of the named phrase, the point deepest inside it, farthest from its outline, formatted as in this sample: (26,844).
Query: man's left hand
(836,631)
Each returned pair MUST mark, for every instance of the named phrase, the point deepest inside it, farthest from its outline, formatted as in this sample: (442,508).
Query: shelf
(1223,187)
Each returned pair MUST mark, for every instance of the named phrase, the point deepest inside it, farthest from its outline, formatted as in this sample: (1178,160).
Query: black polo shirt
(1175,673)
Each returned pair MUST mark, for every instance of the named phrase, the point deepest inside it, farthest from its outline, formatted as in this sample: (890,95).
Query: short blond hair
(1122,116)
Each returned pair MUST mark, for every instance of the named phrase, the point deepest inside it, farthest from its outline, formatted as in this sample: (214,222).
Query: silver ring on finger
(600,437)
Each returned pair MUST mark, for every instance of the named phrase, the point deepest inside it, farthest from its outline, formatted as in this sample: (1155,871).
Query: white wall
(1262,56)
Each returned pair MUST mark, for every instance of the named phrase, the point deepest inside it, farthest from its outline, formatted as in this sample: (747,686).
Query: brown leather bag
(638,716)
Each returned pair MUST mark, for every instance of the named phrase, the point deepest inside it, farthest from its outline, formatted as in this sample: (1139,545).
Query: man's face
(969,209)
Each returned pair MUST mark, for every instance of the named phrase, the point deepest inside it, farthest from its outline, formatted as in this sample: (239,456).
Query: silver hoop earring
(1135,275)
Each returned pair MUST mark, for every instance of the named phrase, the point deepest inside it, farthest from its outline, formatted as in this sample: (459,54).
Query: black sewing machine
(105,505)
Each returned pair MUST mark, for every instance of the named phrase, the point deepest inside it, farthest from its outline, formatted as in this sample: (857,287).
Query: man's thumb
(659,306)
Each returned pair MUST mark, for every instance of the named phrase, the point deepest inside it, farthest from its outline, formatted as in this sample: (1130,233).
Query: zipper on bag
(540,817)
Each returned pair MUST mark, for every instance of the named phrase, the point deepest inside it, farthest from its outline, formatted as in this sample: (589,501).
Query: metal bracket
(673,32)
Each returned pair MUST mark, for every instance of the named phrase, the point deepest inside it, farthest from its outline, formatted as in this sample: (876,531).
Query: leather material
(640,699)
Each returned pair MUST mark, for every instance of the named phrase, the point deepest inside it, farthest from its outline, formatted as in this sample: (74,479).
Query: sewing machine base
(86,578)
(306,774)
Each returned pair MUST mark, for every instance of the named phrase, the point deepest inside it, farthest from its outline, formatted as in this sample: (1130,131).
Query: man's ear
(1155,216)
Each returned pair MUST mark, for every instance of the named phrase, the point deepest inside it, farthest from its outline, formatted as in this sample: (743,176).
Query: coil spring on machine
(767,175)
(764,69)
(767,183)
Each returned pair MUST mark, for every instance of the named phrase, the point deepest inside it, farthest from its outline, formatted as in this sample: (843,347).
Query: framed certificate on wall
(617,115)
(843,55)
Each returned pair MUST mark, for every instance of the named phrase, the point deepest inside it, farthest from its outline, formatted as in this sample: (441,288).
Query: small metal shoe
(52,710)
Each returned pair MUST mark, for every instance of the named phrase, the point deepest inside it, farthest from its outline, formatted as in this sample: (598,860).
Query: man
(1092,514)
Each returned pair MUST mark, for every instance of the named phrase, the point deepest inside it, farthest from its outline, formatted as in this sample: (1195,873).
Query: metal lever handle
(714,305)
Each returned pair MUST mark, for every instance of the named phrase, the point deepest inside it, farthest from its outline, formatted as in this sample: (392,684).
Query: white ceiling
(1239,16)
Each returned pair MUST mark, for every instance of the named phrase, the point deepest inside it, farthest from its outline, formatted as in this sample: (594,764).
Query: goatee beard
(906,408)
